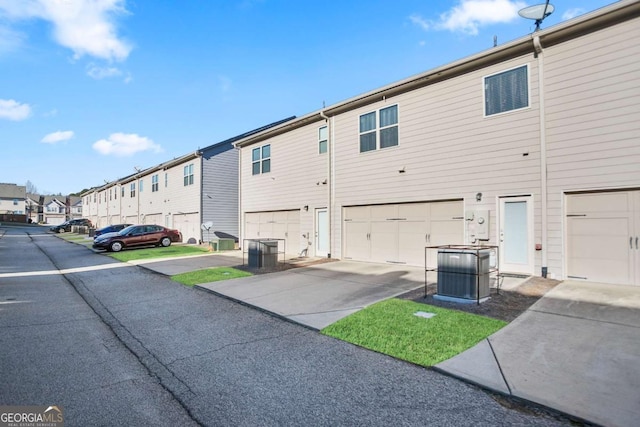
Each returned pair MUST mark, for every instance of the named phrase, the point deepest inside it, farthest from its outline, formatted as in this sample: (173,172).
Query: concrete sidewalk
(576,350)
(319,295)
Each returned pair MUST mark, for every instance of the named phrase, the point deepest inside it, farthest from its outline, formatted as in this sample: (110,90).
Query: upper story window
(323,139)
(506,91)
(132,188)
(154,183)
(379,129)
(188,175)
(261,159)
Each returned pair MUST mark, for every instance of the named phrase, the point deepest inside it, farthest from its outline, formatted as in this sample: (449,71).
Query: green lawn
(209,275)
(149,253)
(72,237)
(391,327)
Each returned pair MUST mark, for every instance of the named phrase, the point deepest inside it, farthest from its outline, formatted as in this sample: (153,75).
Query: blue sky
(91,89)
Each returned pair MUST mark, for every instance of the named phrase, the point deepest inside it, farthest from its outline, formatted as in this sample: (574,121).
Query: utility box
(263,253)
(464,273)
(219,244)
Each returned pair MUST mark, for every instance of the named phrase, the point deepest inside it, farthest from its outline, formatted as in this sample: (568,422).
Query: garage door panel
(384,212)
(412,240)
(356,240)
(598,202)
(446,210)
(356,213)
(413,211)
(597,227)
(384,241)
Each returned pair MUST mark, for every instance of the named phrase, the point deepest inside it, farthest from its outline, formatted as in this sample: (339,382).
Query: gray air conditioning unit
(464,273)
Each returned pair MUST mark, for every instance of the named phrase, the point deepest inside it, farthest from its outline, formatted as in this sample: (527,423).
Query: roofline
(615,13)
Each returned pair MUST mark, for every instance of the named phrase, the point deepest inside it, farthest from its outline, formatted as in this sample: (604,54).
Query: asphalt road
(119,345)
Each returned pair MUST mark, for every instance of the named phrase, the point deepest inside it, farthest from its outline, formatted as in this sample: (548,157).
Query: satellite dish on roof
(537,12)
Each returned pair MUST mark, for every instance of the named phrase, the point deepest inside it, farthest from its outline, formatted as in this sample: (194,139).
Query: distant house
(12,200)
(531,146)
(183,193)
(54,210)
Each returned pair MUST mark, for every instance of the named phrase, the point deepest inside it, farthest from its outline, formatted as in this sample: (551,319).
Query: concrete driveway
(576,350)
(319,295)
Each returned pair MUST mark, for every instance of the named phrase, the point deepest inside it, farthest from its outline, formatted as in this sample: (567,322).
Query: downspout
(201,192)
(240,223)
(543,152)
(330,178)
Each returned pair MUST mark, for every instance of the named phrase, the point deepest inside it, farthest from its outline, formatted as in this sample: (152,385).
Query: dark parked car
(110,229)
(137,235)
(66,226)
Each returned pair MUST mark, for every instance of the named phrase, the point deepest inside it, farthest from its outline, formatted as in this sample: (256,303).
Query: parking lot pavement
(185,264)
(321,294)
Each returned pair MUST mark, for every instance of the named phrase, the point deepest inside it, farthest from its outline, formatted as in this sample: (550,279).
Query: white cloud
(9,39)
(125,144)
(59,136)
(469,15)
(420,21)
(13,110)
(572,13)
(87,27)
(99,73)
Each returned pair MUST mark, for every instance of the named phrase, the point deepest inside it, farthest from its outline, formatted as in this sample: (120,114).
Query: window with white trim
(188,175)
(506,91)
(261,160)
(379,129)
(323,139)
(154,183)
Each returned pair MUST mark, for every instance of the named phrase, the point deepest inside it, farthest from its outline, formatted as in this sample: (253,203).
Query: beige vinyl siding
(447,147)
(592,96)
(182,201)
(296,180)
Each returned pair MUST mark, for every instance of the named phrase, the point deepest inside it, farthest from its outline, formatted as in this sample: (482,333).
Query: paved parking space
(319,295)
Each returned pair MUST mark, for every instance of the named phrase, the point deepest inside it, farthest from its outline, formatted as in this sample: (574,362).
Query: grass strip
(157,252)
(391,327)
(209,275)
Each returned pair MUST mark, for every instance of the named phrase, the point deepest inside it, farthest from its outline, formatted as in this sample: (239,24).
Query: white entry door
(322,232)
(516,235)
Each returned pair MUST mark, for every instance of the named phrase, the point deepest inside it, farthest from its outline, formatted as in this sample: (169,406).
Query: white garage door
(398,233)
(275,225)
(189,226)
(155,219)
(603,233)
